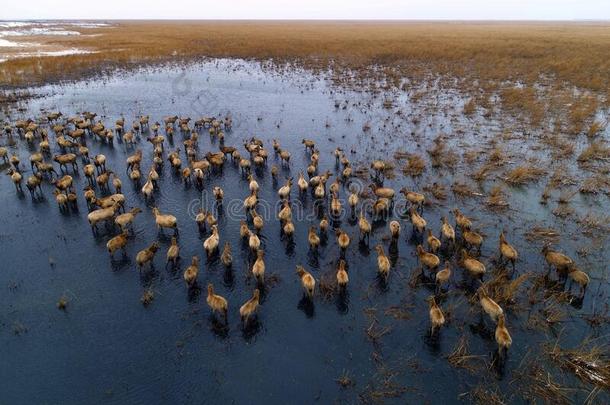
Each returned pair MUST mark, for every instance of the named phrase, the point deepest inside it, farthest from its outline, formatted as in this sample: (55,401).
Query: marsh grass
(537,383)
(589,362)
(461,189)
(596,184)
(594,224)
(375,331)
(400,312)
(438,191)
(415,165)
(328,284)
(485,52)
(523,101)
(561,148)
(542,234)
(597,150)
(440,155)
(563,211)
(460,357)
(596,128)
(503,289)
(561,177)
(581,112)
(345,380)
(523,174)
(483,172)
(470,107)
(497,198)
(386,383)
(482,394)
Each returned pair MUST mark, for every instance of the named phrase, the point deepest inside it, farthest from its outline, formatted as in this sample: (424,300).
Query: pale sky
(308,9)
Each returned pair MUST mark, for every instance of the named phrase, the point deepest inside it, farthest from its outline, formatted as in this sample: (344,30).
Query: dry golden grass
(590,363)
(523,174)
(540,386)
(537,234)
(460,357)
(415,165)
(595,128)
(464,190)
(573,53)
(470,107)
(580,112)
(595,151)
(437,190)
(482,394)
(523,100)
(497,198)
(596,184)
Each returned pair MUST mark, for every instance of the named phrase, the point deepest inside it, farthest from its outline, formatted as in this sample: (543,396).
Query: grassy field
(489,53)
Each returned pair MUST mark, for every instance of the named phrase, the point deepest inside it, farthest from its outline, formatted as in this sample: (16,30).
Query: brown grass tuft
(596,184)
(415,165)
(537,234)
(461,358)
(523,174)
(539,384)
(497,198)
(470,107)
(596,128)
(589,363)
(345,381)
(464,190)
(437,190)
(483,395)
(524,101)
(595,151)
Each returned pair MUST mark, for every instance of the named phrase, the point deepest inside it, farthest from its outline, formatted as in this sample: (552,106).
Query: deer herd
(69,137)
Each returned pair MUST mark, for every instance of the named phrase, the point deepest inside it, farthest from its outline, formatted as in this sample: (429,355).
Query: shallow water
(108,347)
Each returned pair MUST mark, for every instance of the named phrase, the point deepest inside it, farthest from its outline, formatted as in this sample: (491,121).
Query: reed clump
(497,198)
(596,128)
(538,233)
(461,189)
(415,166)
(438,191)
(523,101)
(538,384)
(597,150)
(345,380)
(460,357)
(504,290)
(482,394)
(523,174)
(582,111)
(590,363)
(596,184)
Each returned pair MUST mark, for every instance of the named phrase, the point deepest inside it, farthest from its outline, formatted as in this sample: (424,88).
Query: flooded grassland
(506,165)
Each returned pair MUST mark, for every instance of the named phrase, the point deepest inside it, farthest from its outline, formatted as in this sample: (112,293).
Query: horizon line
(603,20)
